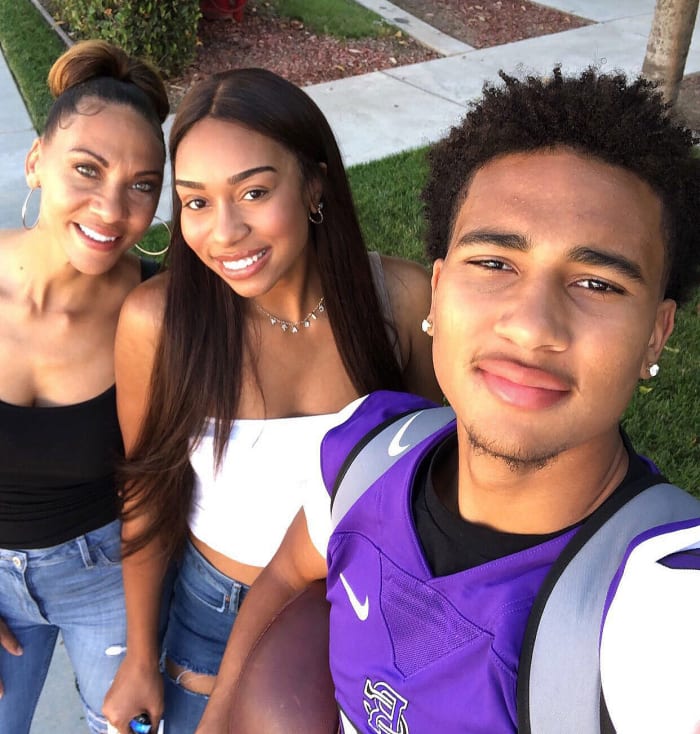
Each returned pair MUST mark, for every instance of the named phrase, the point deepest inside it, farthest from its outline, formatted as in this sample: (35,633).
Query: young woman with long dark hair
(270,322)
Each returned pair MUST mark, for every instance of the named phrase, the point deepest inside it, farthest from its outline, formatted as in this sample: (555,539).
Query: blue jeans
(203,608)
(75,588)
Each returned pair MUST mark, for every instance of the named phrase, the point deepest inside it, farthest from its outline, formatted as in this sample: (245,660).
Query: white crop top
(271,469)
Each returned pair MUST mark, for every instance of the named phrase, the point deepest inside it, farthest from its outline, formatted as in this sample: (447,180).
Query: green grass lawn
(663,418)
(340,18)
(30,48)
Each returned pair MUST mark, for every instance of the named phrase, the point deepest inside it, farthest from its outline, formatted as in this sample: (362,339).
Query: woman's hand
(9,642)
(136,689)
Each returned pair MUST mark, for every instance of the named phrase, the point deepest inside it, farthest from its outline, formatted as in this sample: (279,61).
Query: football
(285,685)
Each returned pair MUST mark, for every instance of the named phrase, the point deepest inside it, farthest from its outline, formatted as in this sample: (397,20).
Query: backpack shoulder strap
(559,678)
(378,451)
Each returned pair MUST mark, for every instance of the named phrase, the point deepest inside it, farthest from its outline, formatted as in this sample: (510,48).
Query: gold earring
(156,253)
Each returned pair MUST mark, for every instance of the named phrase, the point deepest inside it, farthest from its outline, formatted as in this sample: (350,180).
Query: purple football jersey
(411,652)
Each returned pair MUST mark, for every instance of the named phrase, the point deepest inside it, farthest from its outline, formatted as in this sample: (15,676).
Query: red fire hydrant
(222,9)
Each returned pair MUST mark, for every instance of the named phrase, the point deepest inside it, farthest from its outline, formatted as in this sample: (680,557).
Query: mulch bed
(491,22)
(289,49)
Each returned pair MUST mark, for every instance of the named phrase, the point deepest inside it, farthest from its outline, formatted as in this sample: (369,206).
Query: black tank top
(57,468)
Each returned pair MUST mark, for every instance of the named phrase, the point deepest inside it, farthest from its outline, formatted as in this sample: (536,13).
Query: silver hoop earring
(24,211)
(653,369)
(316,217)
(156,253)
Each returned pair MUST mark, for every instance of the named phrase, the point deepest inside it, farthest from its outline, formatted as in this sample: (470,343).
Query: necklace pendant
(293,326)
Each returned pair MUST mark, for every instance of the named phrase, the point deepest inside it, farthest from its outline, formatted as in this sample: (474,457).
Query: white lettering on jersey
(384,708)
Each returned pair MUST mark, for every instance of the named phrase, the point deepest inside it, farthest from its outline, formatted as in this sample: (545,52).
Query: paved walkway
(373,116)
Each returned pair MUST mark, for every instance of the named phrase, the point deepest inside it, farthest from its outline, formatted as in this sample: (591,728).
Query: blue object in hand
(141,724)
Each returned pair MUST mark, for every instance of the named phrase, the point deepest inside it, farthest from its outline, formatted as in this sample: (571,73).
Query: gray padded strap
(382,451)
(564,691)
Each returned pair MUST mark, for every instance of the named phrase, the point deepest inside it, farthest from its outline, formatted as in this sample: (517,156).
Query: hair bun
(88,60)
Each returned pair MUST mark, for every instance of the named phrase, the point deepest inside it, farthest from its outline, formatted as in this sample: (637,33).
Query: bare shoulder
(408,285)
(143,309)
(15,248)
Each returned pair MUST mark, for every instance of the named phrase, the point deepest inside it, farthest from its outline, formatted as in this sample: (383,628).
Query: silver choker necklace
(294,326)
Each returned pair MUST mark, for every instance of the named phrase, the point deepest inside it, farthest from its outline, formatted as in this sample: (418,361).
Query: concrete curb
(416,28)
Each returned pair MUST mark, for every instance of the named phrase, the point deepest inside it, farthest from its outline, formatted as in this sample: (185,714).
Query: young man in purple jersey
(563,220)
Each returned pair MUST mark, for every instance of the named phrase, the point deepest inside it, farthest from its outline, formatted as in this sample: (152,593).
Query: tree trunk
(667,47)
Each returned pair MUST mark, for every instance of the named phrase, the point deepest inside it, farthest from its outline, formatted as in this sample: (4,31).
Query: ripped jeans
(75,588)
(203,608)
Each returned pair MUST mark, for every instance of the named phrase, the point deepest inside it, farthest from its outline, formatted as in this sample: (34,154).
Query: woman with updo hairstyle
(270,323)
(95,177)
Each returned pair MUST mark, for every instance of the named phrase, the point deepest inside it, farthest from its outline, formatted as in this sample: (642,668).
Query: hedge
(162,31)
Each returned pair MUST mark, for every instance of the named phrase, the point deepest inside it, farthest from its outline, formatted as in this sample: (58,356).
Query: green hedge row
(162,31)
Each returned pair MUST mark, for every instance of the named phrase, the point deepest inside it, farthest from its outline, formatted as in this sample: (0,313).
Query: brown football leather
(286,685)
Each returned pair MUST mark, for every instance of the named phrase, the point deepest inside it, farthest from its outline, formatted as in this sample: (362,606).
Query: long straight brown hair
(198,366)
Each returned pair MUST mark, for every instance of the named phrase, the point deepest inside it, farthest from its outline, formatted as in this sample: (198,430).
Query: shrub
(162,31)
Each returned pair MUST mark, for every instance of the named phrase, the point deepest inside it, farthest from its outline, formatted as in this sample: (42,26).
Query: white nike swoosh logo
(395,447)
(361,609)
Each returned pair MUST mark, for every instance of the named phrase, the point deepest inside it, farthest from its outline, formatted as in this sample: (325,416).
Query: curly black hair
(623,123)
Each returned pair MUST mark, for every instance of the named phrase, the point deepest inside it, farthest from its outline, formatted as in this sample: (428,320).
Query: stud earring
(426,326)
(653,369)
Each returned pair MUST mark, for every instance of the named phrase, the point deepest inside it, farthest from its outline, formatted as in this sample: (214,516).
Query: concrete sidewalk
(373,116)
